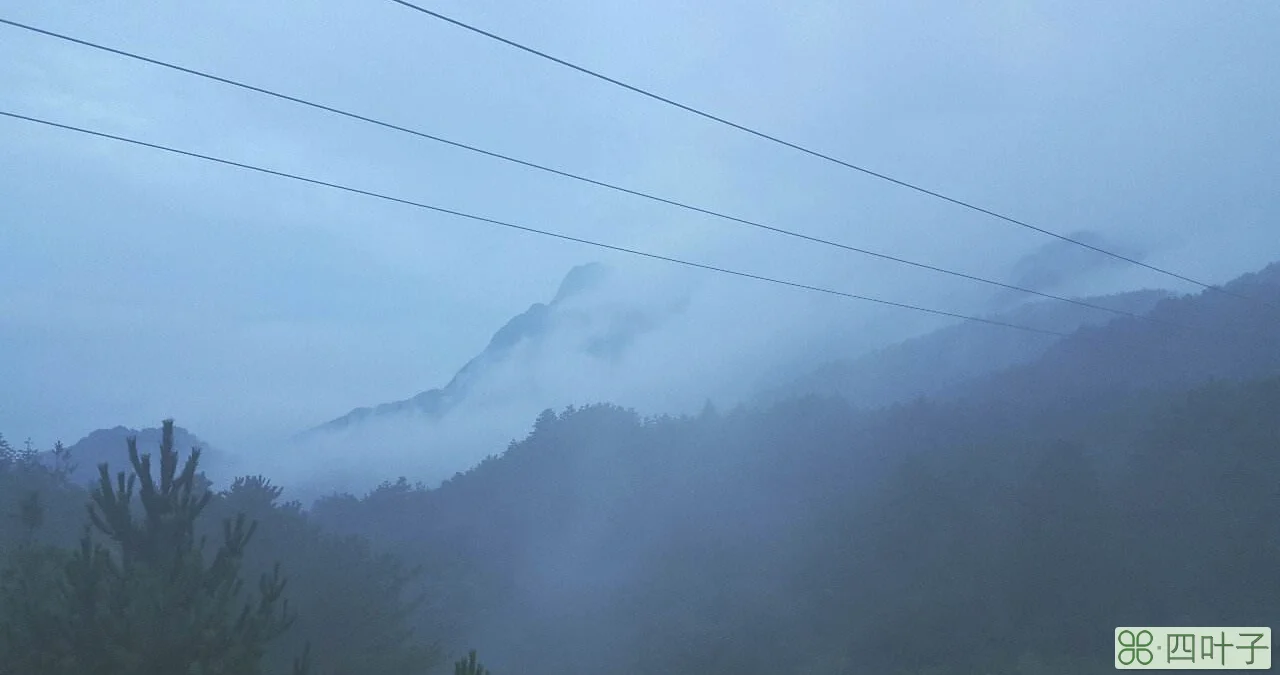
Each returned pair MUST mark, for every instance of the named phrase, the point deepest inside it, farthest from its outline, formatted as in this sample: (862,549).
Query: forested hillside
(944,359)
(805,539)
(418,337)
(1009,525)
(101,595)
(1127,477)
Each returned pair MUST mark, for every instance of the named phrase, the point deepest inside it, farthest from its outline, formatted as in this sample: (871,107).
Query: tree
(7,454)
(30,515)
(146,600)
(63,467)
(11,457)
(469,666)
(333,578)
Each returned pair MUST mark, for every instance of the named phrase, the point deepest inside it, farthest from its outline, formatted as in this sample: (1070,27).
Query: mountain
(992,527)
(1229,333)
(599,330)
(111,446)
(943,359)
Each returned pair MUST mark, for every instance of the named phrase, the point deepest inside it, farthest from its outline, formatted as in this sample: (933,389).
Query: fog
(231,273)
(739,471)
(642,337)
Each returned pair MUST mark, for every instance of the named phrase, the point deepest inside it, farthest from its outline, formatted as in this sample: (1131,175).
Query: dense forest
(1128,476)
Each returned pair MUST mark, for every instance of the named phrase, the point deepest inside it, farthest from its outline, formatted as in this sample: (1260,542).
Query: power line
(562,173)
(808,151)
(522,228)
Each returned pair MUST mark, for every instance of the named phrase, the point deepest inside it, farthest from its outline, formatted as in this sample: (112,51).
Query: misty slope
(1000,525)
(930,363)
(605,337)
(109,445)
(1204,337)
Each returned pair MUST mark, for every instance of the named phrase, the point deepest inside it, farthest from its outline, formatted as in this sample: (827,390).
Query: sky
(137,285)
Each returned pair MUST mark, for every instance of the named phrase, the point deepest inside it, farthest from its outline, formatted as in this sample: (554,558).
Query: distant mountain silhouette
(936,361)
(1194,339)
(111,446)
(607,338)
(975,514)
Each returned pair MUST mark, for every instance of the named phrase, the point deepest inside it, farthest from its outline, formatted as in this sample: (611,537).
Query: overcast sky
(136,285)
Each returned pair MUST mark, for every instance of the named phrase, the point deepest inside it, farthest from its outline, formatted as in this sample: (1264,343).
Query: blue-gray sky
(136,285)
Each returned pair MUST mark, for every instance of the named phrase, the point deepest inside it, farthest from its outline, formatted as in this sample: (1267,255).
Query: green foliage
(331,579)
(253,494)
(32,587)
(469,666)
(998,534)
(31,515)
(63,467)
(949,538)
(145,600)
(49,574)
(37,502)
(11,457)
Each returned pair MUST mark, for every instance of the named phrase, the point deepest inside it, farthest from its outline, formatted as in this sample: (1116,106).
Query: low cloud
(658,342)
(1062,267)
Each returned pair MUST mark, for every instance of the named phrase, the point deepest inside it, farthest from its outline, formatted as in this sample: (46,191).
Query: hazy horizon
(139,286)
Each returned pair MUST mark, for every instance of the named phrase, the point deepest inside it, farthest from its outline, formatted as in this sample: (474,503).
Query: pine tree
(7,454)
(31,516)
(469,666)
(146,601)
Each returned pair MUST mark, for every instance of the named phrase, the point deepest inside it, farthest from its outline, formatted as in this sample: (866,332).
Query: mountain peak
(110,445)
(581,279)
(535,323)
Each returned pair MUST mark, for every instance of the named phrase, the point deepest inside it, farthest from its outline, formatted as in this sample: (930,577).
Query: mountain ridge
(928,363)
(109,445)
(528,326)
